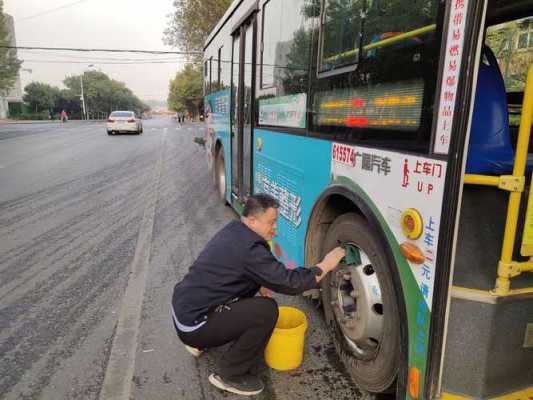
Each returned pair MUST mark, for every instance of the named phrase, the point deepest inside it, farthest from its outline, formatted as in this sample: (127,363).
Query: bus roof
(236,4)
(231,9)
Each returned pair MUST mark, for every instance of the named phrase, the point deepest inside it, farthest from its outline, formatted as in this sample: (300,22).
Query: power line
(52,10)
(102,62)
(97,59)
(187,53)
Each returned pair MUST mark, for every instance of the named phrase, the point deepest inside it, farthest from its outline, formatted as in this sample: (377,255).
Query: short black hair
(258,203)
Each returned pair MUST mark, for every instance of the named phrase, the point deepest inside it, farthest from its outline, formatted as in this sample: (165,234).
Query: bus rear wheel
(220,175)
(361,307)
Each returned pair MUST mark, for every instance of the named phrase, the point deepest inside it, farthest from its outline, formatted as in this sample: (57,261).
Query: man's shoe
(247,385)
(194,351)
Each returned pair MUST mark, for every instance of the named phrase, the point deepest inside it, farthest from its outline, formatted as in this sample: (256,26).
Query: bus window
(500,89)
(388,99)
(390,26)
(286,44)
(340,32)
(225,65)
(512,44)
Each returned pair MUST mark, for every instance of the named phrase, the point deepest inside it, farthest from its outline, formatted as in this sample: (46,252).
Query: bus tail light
(110,120)
(412,253)
(414,382)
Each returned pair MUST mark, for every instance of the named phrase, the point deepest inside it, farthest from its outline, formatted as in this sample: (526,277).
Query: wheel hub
(358,306)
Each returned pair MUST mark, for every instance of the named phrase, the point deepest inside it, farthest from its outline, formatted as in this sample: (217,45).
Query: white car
(123,121)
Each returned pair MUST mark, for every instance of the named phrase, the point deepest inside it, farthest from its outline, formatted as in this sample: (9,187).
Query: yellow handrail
(385,42)
(485,180)
(503,283)
(507,268)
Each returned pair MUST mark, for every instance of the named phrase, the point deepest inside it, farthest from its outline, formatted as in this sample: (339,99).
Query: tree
(103,94)
(41,96)
(514,61)
(9,64)
(192,21)
(185,93)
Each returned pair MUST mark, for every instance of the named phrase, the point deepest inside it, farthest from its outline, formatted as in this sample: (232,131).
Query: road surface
(95,230)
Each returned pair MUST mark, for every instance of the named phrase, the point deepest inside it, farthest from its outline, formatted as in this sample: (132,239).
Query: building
(15,94)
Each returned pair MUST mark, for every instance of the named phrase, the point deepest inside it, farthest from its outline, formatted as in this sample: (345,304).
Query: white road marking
(121,365)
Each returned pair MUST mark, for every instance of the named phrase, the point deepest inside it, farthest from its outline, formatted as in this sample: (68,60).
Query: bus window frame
(450,213)
(219,66)
(416,143)
(211,74)
(345,68)
(262,47)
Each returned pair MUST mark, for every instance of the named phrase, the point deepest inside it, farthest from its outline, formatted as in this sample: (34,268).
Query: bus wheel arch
(340,204)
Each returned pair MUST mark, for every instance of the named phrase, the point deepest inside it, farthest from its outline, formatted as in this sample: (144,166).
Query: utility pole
(82,99)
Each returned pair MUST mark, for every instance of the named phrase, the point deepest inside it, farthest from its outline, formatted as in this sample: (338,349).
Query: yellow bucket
(285,349)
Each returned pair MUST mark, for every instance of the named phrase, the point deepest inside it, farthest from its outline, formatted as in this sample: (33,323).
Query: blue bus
(400,128)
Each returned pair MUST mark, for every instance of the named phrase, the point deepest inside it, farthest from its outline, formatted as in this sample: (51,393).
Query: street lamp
(85,108)
(82,97)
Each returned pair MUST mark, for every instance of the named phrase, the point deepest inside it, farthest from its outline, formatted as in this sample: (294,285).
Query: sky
(109,24)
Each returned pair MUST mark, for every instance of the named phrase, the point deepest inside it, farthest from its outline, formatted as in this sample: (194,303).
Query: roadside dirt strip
(121,365)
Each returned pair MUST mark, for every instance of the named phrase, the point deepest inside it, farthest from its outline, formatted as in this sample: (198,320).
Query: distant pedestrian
(64,116)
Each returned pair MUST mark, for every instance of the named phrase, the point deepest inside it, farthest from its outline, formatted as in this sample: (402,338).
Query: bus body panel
(300,171)
(297,170)
(217,108)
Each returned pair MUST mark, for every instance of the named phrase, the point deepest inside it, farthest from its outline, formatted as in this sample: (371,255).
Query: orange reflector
(412,253)
(414,382)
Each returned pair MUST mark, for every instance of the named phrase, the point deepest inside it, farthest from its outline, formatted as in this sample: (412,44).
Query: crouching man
(214,304)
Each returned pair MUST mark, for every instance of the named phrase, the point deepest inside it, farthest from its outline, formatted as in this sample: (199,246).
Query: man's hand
(330,261)
(263,291)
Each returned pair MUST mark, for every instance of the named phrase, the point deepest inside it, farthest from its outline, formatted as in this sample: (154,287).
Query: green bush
(32,116)
(16,109)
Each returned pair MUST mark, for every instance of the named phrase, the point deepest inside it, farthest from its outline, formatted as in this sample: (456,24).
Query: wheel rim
(221,178)
(358,306)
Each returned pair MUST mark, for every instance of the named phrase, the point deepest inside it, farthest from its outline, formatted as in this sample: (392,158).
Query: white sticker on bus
(450,75)
(396,182)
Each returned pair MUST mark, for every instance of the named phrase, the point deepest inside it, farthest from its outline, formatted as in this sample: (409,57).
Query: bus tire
(366,333)
(220,175)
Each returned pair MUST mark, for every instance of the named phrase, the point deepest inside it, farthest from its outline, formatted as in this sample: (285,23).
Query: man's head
(260,214)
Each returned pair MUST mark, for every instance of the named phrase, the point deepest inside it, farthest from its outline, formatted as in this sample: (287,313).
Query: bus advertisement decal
(287,111)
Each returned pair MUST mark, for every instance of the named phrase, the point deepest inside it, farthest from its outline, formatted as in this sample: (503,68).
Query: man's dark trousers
(248,323)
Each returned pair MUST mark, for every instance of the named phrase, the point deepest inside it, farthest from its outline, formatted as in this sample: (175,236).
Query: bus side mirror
(199,141)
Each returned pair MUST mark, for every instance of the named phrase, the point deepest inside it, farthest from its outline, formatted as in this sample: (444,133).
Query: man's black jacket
(235,264)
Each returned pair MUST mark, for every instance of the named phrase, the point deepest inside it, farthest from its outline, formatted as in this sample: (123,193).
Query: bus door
(243,73)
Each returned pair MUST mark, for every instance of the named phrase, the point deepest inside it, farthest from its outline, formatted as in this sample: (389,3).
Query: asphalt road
(94,232)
